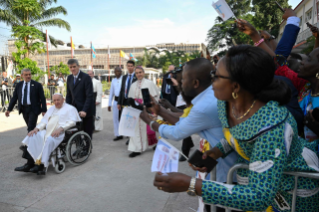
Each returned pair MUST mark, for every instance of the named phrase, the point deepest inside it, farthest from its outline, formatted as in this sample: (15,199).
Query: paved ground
(109,181)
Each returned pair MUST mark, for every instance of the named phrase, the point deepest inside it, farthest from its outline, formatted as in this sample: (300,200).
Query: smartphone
(146,97)
(197,160)
(315,114)
(282,9)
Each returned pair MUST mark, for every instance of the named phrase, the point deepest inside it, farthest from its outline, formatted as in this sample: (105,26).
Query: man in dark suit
(31,100)
(80,95)
(127,81)
(169,92)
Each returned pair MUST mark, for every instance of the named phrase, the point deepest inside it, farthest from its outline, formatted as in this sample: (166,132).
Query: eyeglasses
(214,76)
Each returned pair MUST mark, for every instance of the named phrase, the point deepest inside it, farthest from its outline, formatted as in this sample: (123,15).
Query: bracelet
(151,123)
(259,42)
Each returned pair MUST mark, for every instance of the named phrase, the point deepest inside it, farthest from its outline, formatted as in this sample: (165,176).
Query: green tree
(61,68)
(309,45)
(25,62)
(226,30)
(267,15)
(22,14)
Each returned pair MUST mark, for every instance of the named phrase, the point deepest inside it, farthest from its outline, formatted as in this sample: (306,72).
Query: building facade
(307,11)
(102,64)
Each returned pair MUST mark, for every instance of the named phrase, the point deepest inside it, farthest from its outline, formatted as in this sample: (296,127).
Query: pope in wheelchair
(48,135)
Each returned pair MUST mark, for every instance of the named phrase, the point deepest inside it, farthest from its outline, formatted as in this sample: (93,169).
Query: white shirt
(115,89)
(28,97)
(61,82)
(76,77)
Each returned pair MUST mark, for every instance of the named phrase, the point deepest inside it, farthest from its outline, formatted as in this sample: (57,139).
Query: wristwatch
(272,38)
(191,189)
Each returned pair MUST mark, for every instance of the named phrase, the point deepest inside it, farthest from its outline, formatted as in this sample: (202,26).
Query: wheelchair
(71,149)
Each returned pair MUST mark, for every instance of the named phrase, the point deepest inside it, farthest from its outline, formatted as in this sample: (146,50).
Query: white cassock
(139,142)
(97,88)
(114,93)
(42,144)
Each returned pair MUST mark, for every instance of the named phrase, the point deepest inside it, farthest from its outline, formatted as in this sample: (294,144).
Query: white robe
(139,143)
(42,144)
(115,92)
(97,87)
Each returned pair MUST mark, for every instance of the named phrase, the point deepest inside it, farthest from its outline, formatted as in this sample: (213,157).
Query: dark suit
(37,99)
(172,97)
(80,95)
(122,100)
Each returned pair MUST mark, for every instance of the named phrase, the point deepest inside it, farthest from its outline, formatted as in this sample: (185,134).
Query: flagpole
(120,60)
(91,56)
(71,48)
(108,61)
(48,54)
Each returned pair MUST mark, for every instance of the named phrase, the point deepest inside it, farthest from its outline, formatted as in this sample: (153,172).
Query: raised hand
(245,27)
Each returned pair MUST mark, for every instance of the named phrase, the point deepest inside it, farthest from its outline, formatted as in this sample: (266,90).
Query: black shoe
(134,154)
(127,142)
(182,158)
(118,138)
(41,172)
(25,168)
(37,168)
(22,147)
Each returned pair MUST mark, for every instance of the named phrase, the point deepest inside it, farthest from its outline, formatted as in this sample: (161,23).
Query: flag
(165,158)
(109,52)
(72,46)
(48,41)
(133,58)
(93,52)
(223,10)
(122,54)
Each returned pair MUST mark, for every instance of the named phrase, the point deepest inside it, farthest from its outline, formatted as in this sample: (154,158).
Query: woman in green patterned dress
(263,132)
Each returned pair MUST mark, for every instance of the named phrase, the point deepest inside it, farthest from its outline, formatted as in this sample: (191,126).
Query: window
(300,23)
(84,67)
(98,66)
(308,15)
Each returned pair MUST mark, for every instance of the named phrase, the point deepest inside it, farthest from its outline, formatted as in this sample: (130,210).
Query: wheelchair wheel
(59,168)
(79,148)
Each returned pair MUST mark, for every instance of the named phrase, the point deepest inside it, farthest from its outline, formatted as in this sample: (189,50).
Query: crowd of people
(258,105)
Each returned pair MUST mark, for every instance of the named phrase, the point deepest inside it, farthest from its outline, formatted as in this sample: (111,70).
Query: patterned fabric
(278,148)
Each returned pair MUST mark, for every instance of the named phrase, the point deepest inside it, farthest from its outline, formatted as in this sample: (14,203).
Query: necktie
(74,80)
(128,85)
(25,95)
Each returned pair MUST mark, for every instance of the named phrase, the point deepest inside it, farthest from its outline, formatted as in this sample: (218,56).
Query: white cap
(18,75)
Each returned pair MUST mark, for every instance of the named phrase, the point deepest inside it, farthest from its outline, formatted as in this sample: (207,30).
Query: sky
(132,23)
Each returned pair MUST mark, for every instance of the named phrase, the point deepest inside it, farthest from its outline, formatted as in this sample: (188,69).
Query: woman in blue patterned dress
(262,132)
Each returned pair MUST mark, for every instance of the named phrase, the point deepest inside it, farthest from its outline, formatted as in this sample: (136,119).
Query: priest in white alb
(144,136)
(98,93)
(47,135)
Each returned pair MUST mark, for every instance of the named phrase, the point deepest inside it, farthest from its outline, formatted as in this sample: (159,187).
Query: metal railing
(304,35)
(50,90)
(295,174)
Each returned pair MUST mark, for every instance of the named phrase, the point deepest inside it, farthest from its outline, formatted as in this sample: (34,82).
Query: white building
(307,11)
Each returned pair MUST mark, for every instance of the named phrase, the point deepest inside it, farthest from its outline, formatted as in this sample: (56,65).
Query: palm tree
(32,13)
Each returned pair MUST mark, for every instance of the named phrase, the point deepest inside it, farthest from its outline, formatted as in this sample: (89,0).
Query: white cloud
(147,32)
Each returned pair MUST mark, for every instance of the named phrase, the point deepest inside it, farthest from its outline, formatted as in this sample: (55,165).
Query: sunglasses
(214,76)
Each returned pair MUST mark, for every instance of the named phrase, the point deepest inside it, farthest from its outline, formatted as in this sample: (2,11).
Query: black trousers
(4,96)
(88,125)
(187,145)
(29,117)
(52,91)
